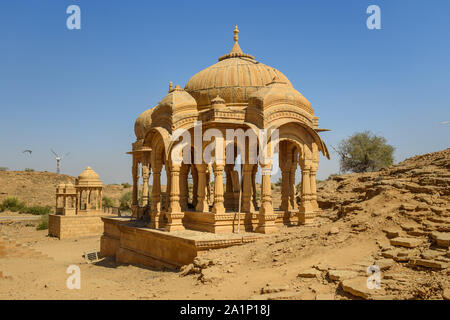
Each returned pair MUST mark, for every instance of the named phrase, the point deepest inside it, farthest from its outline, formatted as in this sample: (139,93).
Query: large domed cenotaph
(237,92)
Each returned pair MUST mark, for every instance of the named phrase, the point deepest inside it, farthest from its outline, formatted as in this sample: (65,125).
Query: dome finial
(236,49)
(170,86)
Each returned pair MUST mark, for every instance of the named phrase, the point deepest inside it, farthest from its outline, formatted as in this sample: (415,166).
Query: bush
(364,152)
(37,210)
(125,201)
(12,204)
(4,168)
(107,202)
(126,185)
(43,225)
(29,170)
(258,195)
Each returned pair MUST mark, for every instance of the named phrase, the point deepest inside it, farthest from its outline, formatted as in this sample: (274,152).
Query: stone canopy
(237,92)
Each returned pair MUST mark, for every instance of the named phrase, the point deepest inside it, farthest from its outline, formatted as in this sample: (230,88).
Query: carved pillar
(78,200)
(101,198)
(313,173)
(236,188)
(165,196)
(202,202)
(90,199)
(229,196)
(218,206)
(247,204)
(305,211)
(208,184)
(135,175)
(145,178)
(285,192)
(292,201)
(194,185)
(174,214)
(255,169)
(184,190)
(266,217)
(156,195)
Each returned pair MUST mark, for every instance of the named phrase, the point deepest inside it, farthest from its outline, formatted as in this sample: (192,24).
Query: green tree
(127,198)
(107,202)
(364,152)
(12,204)
(125,201)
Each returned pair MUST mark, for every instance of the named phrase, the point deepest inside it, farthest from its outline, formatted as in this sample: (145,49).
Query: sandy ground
(363,216)
(248,267)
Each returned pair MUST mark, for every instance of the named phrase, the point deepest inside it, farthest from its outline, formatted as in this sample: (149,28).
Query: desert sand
(397,219)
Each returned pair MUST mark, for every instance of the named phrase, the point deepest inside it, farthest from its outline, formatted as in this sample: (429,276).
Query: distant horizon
(80,91)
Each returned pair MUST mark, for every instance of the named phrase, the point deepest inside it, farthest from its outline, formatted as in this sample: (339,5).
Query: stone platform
(228,222)
(132,243)
(63,227)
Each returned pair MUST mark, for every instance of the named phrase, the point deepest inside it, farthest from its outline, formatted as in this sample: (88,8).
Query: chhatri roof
(278,92)
(89,174)
(234,78)
(143,123)
(88,178)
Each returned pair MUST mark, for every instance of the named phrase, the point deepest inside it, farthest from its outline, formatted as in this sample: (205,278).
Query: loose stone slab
(391,232)
(406,242)
(358,287)
(389,253)
(339,275)
(432,264)
(431,254)
(384,264)
(309,273)
(442,239)
(446,294)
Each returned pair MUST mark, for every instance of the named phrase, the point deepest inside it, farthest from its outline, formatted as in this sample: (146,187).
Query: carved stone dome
(234,78)
(89,174)
(143,124)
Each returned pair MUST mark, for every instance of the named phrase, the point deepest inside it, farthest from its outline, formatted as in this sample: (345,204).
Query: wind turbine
(58,160)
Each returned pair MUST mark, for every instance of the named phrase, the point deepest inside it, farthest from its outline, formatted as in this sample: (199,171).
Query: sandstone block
(339,275)
(358,287)
(406,242)
(391,232)
(309,273)
(384,264)
(442,239)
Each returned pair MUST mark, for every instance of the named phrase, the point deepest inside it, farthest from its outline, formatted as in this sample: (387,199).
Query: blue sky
(80,91)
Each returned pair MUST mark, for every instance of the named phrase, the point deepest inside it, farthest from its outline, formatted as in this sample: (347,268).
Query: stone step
(431,264)
(442,239)
(406,242)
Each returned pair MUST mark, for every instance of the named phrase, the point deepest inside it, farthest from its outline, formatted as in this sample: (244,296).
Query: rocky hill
(395,221)
(38,188)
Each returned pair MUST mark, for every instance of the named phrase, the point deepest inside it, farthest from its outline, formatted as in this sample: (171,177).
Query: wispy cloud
(445,122)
